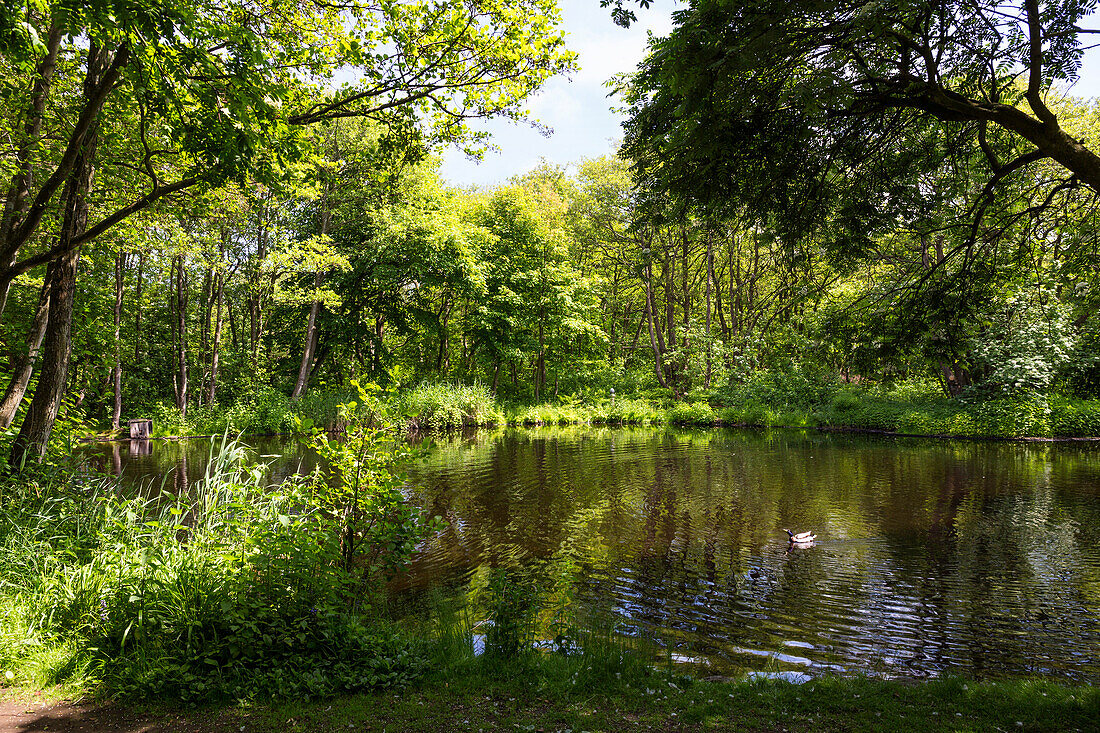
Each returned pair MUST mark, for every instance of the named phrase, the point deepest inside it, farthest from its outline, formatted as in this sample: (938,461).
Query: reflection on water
(978,558)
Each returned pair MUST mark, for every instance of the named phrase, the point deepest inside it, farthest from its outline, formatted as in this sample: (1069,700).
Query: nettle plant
(360,486)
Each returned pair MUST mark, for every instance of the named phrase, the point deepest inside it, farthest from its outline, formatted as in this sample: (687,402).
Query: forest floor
(519,703)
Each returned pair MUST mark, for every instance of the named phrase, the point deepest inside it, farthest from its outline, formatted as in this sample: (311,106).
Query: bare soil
(36,716)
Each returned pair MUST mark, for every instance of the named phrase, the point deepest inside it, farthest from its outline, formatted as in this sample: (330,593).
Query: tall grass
(437,406)
(237,590)
(263,411)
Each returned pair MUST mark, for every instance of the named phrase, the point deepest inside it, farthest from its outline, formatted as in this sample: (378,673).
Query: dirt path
(30,716)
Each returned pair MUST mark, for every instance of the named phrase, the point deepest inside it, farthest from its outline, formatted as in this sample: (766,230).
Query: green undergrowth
(552,695)
(263,411)
(238,590)
(555,697)
(436,406)
(911,407)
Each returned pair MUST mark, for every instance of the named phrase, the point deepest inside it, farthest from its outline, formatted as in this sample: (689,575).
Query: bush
(240,590)
(627,412)
(450,406)
(1075,418)
(698,413)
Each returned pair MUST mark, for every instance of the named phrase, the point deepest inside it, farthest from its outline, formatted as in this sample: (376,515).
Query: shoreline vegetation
(531,697)
(908,409)
(271,601)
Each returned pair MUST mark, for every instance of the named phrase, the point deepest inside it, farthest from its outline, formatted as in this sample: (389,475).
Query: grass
(914,407)
(524,696)
(523,700)
(239,589)
(436,406)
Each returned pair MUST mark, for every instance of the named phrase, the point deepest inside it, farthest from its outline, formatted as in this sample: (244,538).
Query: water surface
(933,557)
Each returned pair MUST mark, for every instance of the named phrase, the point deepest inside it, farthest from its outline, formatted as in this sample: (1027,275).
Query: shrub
(450,406)
(698,413)
(241,589)
(1075,418)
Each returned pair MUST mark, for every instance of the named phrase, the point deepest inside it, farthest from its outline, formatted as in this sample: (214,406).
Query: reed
(239,589)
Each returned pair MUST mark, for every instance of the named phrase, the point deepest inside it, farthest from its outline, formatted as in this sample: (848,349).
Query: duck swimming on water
(802,538)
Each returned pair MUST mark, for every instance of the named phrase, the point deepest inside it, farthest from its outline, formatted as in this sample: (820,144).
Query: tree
(179,95)
(819,114)
(536,307)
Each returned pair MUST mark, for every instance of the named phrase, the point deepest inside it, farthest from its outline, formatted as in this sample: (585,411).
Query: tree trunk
(310,345)
(204,331)
(34,433)
(15,202)
(710,280)
(116,372)
(540,362)
(21,373)
(137,309)
(654,333)
(215,344)
(670,300)
(253,291)
(443,359)
(181,336)
(309,348)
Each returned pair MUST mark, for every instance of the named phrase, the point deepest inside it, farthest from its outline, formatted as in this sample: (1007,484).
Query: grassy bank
(548,697)
(238,589)
(913,408)
(527,699)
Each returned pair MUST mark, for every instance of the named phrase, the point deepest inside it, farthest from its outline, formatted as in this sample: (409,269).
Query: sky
(578,109)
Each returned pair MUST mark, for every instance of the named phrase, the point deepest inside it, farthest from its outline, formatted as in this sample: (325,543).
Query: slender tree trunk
(137,309)
(215,344)
(654,333)
(310,346)
(442,359)
(116,372)
(24,368)
(735,288)
(710,280)
(670,299)
(685,288)
(34,433)
(181,336)
(234,337)
(204,331)
(540,362)
(637,332)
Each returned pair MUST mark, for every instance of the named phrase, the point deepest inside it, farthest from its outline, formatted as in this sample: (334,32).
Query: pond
(933,557)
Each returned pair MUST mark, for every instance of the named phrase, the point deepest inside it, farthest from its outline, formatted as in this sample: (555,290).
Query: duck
(802,538)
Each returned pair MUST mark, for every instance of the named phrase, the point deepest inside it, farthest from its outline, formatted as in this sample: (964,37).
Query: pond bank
(901,410)
(120,438)
(515,698)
